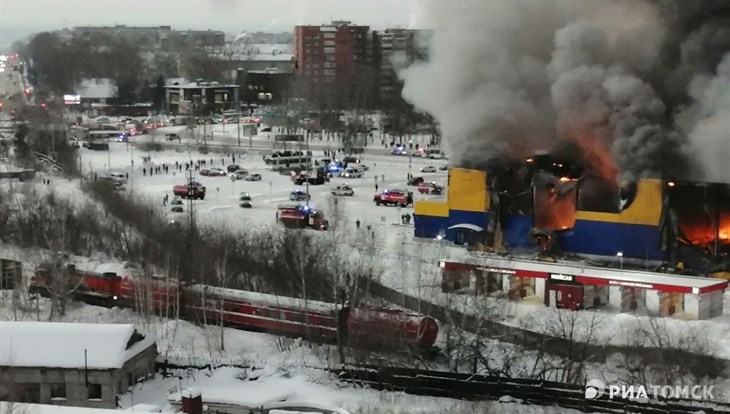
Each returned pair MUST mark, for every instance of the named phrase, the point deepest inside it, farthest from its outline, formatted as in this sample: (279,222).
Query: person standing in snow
(357,224)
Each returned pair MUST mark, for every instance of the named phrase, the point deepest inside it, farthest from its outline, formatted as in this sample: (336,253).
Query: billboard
(72,99)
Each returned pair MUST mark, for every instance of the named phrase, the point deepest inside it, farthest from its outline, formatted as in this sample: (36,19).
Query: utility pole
(239,128)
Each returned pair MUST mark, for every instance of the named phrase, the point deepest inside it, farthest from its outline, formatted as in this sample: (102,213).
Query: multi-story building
(332,58)
(396,49)
(153,37)
(201,98)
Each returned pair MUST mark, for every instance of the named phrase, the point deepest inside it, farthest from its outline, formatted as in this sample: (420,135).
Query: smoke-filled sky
(640,87)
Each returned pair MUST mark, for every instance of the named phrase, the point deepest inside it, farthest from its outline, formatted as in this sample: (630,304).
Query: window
(58,391)
(94,391)
(329,50)
(329,42)
(329,72)
(329,64)
(329,35)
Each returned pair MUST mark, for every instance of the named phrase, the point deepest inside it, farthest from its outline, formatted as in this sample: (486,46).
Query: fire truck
(300,217)
(393,197)
(193,190)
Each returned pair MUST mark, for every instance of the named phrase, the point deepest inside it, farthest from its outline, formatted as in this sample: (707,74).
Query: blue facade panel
(516,231)
(607,239)
(429,226)
(480,219)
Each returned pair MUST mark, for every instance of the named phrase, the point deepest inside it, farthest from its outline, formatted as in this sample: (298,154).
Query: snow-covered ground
(406,263)
(285,370)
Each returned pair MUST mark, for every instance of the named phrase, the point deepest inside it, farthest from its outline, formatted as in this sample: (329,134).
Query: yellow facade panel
(431,208)
(646,209)
(468,190)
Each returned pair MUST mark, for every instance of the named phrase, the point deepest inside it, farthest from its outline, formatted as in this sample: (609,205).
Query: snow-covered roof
(101,88)
(7,407)
(178,81)
(62,345)
(264,299)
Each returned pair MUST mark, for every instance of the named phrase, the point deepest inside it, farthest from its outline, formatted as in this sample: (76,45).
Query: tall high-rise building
(396,49)
(331,58)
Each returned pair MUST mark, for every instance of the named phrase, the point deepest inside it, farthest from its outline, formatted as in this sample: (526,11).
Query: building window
(330,58)
(329,64)
(329,42)
(329,50)
(94,391)
(329,35)
(58,391)
(329,72)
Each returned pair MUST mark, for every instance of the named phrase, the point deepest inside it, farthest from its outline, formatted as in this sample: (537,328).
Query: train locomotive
(358,325)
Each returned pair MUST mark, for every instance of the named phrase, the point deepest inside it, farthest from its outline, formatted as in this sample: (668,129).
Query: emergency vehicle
(299,217)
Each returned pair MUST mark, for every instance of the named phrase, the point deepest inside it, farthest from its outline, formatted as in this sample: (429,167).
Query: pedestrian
(164,201)
(357,224)
(376,187)
(144,171)
(126,175)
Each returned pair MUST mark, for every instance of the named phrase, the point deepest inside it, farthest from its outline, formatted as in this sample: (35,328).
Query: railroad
(536,392)
(702,364)
(484,388)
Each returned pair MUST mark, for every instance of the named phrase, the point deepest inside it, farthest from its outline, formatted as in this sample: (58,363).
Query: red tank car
(390,328)
(252,310)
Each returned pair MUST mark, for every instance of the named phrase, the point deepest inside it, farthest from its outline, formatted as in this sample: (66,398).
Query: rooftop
(27,344)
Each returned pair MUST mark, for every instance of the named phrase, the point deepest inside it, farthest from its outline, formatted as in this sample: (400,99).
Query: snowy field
(285,370)
(405,263)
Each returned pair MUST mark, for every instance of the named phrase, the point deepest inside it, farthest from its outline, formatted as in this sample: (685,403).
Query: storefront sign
(560,276)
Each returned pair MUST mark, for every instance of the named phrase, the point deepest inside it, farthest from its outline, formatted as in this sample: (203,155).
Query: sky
(19,18)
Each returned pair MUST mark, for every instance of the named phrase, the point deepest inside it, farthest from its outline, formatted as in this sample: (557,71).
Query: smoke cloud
(634,85)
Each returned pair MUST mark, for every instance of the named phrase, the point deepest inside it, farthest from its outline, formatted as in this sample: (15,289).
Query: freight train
(356,325)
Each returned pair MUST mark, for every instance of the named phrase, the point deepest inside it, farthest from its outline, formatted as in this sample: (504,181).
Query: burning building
(547,205)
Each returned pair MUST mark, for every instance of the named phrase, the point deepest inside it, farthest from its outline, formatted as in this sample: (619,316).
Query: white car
(352,172)
(216,172)
(238,174)
(428,169)
(343,190)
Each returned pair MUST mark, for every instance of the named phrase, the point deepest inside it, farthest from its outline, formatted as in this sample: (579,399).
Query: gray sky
(18,18)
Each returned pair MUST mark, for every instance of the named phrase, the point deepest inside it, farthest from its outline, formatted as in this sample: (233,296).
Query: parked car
(266,129)
(444,167)
(353,172)
(416,181)
(298,195)
(343,190)
(239,174)
(245,200)
(253,177)
(172,137)
(176,205)
(428,169)
(233,167)
(217,172)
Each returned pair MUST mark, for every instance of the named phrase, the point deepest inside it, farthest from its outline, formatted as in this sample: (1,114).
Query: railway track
(535,392)
(702,365)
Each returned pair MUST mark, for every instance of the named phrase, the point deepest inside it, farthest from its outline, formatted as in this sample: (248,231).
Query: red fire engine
(299,217)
